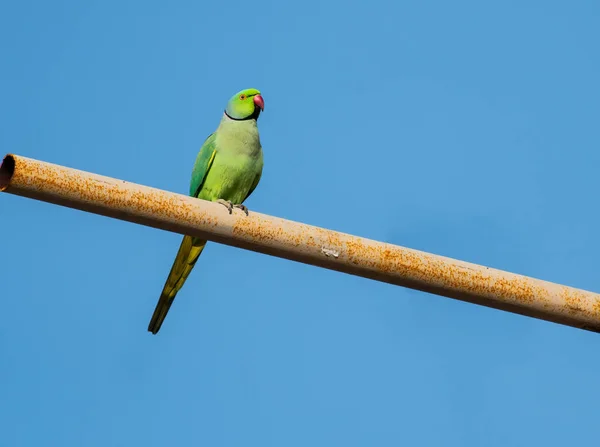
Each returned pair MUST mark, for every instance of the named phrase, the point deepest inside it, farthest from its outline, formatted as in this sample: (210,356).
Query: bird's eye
(242,97)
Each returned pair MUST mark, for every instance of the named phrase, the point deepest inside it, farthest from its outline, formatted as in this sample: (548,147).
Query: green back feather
(202,165)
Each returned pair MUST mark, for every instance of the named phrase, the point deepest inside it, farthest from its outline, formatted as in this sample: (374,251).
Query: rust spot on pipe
(259,230)
(7,170)
(577,302)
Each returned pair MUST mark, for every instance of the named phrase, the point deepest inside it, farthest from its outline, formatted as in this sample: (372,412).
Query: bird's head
(244,105)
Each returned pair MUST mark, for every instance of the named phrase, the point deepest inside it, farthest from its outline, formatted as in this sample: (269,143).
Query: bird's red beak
(259,101)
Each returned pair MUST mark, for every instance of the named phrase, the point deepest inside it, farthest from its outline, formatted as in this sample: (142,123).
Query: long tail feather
(186,258)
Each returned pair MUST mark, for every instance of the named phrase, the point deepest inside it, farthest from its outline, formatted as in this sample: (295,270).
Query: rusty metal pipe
(300,242)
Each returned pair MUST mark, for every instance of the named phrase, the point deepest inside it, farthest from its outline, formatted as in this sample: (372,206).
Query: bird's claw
(230,206)
(244,208)
(227,204)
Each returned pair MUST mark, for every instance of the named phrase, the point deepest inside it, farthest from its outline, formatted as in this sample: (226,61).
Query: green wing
(254,185)
(204,161)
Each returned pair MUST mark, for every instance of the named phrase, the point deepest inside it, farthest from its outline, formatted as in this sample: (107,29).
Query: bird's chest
(231,176)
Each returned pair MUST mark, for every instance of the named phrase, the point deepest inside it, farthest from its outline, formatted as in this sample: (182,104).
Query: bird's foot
(244,208)
(227,204)
(230,206)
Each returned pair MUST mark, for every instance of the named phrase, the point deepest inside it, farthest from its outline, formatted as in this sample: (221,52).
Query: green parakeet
(227,170)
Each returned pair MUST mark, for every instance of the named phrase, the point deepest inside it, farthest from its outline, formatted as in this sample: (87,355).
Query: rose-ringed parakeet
(227,170)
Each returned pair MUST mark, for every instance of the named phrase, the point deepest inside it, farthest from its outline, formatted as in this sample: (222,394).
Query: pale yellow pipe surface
(300,242)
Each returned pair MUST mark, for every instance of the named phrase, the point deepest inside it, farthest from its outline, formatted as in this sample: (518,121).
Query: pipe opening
(7,170)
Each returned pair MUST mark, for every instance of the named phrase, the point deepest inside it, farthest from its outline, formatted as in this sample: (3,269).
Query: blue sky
(468,129)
